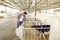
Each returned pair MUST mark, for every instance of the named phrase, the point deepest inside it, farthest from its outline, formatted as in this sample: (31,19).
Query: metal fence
(33,32)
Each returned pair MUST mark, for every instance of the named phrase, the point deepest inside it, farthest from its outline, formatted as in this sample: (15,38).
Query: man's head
(24,13)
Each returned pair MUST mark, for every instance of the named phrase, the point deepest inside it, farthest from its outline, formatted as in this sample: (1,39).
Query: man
(20,25)
(21,19)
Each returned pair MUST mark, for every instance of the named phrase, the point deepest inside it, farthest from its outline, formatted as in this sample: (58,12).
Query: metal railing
(34,34)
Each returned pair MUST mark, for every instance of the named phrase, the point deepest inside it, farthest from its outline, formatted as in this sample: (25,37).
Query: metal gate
(33,32)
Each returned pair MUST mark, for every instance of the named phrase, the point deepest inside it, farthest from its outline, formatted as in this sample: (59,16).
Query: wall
(53,20)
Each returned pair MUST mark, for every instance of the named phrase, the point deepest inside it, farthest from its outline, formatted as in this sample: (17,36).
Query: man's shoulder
(20,15)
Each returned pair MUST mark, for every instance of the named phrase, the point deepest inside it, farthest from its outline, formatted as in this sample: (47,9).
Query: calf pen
(35,31)
(32,34)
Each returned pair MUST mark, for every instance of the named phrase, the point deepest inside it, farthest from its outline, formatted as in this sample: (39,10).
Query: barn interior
(43,19)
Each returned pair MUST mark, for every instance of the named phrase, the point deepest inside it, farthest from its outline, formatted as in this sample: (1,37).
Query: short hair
(25,12)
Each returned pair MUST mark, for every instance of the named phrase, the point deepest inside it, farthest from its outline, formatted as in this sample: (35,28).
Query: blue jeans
(18,24)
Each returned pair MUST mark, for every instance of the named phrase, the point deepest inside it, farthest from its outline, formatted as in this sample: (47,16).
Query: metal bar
(38,3)
(35,10)
(25,5)
(11,6)
(21,3)
(29,6)
(37,28)
(16,4)
(51,4)
(47,7)
(38,35)
(7,2)
(7,6)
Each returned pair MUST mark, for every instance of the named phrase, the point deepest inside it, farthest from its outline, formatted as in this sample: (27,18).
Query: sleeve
(19,16)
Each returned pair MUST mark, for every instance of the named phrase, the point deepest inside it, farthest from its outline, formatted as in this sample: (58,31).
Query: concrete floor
(7,29)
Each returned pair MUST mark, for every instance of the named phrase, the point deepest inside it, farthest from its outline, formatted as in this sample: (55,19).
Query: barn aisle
(7,29)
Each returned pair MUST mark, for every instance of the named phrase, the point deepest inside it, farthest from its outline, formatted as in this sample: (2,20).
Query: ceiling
(31,5)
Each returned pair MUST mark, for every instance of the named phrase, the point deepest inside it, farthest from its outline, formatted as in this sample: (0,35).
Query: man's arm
(19,16)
